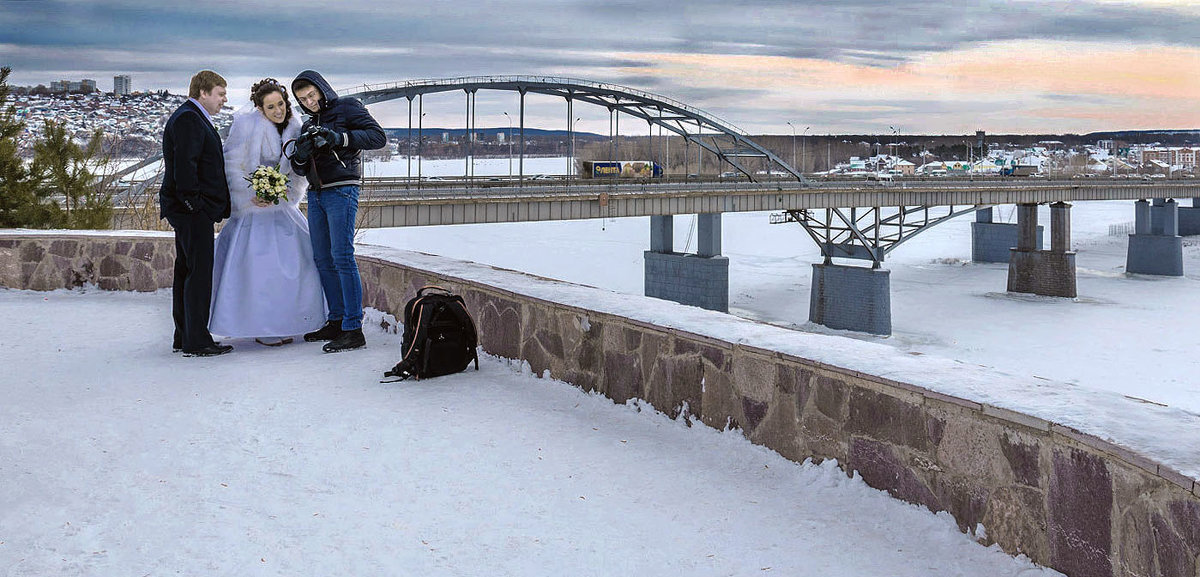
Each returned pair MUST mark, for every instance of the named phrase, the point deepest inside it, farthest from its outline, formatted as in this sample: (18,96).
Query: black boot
(331,330)
(348,341)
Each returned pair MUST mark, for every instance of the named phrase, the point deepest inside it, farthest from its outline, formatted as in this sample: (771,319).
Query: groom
(193,198)
(329,153)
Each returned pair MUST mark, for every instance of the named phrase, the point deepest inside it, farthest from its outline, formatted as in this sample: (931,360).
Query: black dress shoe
(209,351)
(331,330)
(178,348)
(348,341)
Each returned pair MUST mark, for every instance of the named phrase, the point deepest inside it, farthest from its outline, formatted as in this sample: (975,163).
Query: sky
(825,66)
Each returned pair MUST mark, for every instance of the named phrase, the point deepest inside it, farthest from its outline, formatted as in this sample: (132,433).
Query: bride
(265,284)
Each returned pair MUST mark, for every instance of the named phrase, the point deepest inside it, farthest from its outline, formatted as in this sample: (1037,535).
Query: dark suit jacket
(193,166)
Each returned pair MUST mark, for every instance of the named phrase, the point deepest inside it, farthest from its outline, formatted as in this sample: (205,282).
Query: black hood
(313,77)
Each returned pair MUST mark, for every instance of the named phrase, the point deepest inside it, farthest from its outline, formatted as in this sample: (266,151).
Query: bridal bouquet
(269,184)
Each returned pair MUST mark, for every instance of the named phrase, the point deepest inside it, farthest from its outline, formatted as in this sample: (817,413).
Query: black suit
(193,198)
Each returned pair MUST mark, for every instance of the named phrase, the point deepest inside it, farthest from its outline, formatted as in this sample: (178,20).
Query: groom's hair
(205,81)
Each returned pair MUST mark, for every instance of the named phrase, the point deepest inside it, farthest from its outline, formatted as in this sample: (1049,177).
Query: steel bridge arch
(691,123)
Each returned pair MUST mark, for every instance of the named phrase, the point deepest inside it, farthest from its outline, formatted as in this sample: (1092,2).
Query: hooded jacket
(348,118)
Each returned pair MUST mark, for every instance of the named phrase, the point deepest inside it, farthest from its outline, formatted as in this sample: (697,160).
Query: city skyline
(848,67)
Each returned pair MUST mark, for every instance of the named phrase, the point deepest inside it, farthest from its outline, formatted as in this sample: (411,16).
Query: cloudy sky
(833,66)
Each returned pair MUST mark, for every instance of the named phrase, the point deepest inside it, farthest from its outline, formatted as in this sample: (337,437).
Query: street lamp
(793,143)
(509,144)
(420,145)
(803,152)
(574,172)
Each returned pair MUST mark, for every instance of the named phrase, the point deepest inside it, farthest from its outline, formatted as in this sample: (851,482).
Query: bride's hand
(260,202)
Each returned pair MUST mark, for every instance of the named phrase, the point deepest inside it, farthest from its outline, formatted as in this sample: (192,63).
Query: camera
(319,142)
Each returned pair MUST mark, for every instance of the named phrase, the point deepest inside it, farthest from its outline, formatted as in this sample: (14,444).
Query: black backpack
(439,336)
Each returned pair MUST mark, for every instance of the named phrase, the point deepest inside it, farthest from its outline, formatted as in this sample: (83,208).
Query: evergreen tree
(67,171)
(17,198)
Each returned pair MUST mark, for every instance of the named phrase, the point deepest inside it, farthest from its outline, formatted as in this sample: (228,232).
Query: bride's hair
(262,88)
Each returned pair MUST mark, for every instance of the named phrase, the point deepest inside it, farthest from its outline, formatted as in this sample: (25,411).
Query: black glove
(324,138)
(304,149)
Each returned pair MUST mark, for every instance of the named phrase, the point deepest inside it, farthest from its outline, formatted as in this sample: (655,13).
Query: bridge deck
(389,205)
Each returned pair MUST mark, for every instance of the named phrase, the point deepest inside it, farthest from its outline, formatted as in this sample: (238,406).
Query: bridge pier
(700,279)
(1043,272)
(1189,219)
(852,298)
(1155,247)
(993,241)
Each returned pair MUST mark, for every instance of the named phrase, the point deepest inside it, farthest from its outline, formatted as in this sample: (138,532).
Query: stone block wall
(851,297)
(1067,500)
(40,260)
(688,279)
(1154,254)
(1042,272)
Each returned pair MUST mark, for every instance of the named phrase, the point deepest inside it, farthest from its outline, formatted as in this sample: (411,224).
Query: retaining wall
(1067,500)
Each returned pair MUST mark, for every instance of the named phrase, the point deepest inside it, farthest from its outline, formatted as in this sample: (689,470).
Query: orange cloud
(1094,86)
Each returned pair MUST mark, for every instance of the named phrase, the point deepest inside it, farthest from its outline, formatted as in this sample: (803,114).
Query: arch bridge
(722,139)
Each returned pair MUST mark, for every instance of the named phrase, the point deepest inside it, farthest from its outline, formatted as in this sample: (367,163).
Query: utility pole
(509,144)
(793,143)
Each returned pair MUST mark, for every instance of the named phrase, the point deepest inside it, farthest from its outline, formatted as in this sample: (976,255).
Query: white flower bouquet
(269,184)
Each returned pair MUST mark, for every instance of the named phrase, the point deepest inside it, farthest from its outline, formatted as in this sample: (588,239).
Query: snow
(119,457)
(1118,362)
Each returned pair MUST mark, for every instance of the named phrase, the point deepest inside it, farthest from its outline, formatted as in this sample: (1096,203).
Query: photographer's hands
(325,139)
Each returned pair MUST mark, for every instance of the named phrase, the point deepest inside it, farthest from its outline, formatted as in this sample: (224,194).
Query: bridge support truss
(858,298)
(700,279)
(1155,247)
(1043,272)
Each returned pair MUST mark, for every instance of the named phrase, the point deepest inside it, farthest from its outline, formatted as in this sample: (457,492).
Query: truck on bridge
(621,169)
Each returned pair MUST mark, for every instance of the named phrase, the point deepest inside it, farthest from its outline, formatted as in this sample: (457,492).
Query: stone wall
(1065,499)
(40,260)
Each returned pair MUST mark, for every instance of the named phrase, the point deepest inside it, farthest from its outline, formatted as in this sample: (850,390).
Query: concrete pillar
(1189,219)
(991,241)
(1155,247)
(1027,227)
(851,298)
(1060,227)
(1141,217)
(1041,272)
(700,279)
(708,234)
(662,233)
(1170,217)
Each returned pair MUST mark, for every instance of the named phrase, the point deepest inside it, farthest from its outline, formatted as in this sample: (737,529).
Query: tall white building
(122,84)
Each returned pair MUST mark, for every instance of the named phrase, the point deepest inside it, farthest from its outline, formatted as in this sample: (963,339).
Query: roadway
(399,201)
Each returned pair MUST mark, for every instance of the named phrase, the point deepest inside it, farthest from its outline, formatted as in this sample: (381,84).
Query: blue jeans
(331,214)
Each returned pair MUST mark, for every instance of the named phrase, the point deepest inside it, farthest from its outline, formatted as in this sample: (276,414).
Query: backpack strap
(421,329)
(464,318)
(421,290)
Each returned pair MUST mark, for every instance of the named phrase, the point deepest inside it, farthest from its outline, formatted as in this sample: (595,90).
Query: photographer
(329,153)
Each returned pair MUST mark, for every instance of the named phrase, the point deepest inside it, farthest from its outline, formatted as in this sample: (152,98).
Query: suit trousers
(192,288)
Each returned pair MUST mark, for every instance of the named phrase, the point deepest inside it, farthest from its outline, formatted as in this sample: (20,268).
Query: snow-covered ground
(1124,349)
(118,457)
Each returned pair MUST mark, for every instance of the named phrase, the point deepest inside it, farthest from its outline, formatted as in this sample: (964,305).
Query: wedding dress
(265,283)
